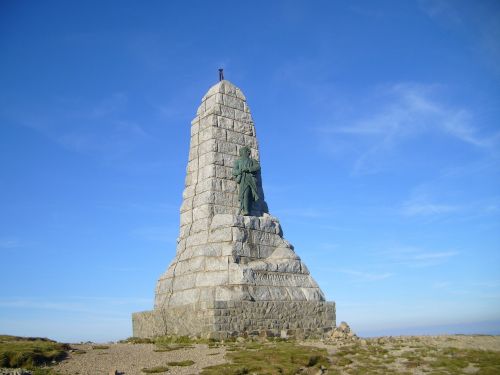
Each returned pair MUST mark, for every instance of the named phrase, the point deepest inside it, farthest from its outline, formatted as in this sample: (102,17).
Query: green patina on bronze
(244,172)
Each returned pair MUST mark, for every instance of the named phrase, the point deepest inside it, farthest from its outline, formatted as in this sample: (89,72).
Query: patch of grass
(100,347)
(270,358)
(169,343)
(253,345)
(185,340)
(187,362)
(43,371)
(455,360)
(352,350)
(155,370)
(136,340)
(412,364)
(343,361)
(280,339)
(29,352)
(372,358)
(451,360)
(375,358)
(170,348)
(79,351)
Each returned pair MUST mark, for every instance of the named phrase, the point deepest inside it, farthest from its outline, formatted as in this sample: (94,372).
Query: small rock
(343,333)
(284,334)
(14,371)
(344,327)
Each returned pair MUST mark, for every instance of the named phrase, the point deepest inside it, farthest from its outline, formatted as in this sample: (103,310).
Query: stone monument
(233,273)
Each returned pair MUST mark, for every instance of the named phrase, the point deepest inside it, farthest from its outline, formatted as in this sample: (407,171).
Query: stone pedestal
(222,319)
(232,274)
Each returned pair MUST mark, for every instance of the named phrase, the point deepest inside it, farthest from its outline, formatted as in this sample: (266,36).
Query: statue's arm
(255,166)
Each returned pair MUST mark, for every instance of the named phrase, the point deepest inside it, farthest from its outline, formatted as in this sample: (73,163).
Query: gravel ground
(400,350)
(481,342)
(129,359)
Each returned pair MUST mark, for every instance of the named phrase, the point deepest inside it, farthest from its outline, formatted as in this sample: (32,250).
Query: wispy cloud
(100,128)
(428,200)
(155,233)
(109,105)
(487,284)
(413,208)
(416,257)
(101,305)
(119,138)
(140,207)
(441,285)
(420,204)
(362,276)
(402,112)
(478,25)
(10,243)
(432,256)
(328,246)
(481,290)
(441,9)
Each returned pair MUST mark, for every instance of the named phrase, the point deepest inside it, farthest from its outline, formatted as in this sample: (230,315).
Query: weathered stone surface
(342,333)
(231,273)
(223,319)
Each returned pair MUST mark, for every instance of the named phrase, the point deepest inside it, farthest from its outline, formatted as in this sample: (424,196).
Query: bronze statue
(244,172)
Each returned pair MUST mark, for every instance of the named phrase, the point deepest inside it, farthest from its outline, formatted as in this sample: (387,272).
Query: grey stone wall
(245,258)
(192,319)
(222,319)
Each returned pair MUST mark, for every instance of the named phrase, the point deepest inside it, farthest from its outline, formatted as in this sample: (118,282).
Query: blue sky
(378,124)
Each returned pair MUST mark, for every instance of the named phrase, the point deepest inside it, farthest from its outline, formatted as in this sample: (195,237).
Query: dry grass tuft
(187,362)
(155,370)
(271,358)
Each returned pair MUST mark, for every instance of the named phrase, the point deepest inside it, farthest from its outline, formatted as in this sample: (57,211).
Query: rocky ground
(130,359)
(348,355)
(437,355)
(342,353)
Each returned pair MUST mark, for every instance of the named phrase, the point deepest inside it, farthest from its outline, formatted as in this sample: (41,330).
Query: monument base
(223,319)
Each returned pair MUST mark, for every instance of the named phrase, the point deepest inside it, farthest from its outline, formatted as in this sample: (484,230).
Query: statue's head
(245,152)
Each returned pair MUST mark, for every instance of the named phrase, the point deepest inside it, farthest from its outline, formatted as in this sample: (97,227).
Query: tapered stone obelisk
(232,274)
